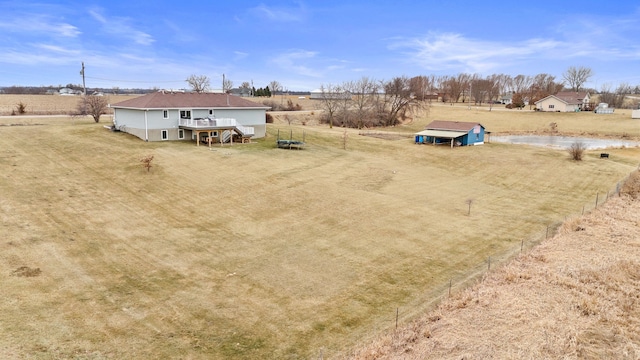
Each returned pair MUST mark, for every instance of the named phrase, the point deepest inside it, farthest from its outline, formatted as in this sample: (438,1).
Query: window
(185,114)
(165,114)
(180,134)
(210,111)
(551,106)
(214,134)
(164,135)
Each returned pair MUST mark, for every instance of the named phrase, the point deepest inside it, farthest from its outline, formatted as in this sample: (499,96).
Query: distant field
(255,252)
(47,104)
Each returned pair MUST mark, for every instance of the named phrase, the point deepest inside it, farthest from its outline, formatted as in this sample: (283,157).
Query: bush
(576,150)
(21,107)
(269,119)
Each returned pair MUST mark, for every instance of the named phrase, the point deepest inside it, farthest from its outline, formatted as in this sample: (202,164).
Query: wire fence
(476,273)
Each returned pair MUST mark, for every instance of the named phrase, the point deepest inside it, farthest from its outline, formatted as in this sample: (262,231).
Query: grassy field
(46,104)
(255,252)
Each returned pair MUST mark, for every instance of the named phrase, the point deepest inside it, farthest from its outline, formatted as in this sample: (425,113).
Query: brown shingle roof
(451,125)
(167,100)
(572,97)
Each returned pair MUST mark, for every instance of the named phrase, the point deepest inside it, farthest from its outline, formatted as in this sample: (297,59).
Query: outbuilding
(454,133)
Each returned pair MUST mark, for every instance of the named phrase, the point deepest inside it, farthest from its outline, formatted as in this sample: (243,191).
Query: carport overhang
(442,134)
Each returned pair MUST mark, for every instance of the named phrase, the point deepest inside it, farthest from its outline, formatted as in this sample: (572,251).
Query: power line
(136,81)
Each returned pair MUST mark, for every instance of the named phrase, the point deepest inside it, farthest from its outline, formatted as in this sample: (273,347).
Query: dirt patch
(25,271)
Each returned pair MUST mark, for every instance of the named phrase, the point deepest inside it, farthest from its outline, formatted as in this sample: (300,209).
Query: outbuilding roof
(452,125)
(192,100)
(446,134)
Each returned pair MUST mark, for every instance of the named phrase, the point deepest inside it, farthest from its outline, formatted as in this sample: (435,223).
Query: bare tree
(198,83)
(364,95)
(93,105)
(227,85)
(575,77)
(275,87)
(615,98)
(520,84)
(330,101)
(455,86)
(396,100)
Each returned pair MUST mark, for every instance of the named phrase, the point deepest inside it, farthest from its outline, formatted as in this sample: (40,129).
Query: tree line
(368,102)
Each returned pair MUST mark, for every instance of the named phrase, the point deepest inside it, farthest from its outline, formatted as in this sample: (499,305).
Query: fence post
(597,196)
(450,287)
(397,312)
(489,267)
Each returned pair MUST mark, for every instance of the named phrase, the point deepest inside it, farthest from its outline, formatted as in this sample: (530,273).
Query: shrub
(576,150)
(146,162)
(21,107)
(269,119)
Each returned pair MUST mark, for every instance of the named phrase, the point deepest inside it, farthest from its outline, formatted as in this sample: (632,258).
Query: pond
(563,142)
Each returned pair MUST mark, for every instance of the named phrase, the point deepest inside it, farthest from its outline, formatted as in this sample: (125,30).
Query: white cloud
(119,26)
(298,61)
(41,24)
(279,14)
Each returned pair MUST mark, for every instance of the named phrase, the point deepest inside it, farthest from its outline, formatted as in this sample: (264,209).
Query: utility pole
(84,92)
(84,86)
(223,90)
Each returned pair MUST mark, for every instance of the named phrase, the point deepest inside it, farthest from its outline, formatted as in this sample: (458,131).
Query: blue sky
(305,44)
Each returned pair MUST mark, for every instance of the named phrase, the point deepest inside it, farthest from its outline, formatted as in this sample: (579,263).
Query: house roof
(170,100)
(451,125)
(549,97)
(572,97)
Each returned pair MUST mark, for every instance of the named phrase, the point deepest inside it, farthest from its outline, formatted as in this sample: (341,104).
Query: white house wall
(558,105)
(133,121)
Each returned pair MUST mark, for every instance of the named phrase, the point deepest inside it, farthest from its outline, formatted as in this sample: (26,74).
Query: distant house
(506,99)
(451,132)
(565,101)
(208,117)
(319,94)
(67,91)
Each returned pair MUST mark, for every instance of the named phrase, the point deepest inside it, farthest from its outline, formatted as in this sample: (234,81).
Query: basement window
(180,134)
(164,134)
(185,114)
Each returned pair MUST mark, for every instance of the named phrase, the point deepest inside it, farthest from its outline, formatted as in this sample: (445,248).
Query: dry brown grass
(47,104)
(575,296)
(250,251)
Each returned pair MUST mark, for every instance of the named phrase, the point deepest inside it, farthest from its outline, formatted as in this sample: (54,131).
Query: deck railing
(218,123)
(208,122)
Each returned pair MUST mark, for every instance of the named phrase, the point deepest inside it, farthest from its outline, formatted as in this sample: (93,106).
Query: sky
(306,44)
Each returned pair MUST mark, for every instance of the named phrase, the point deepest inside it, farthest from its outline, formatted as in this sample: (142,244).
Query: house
(565,101)
(506,99)
(451,132)
(319,94)
(205,117)
(68,91)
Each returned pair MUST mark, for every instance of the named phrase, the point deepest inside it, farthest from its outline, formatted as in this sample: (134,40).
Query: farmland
(249,251)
